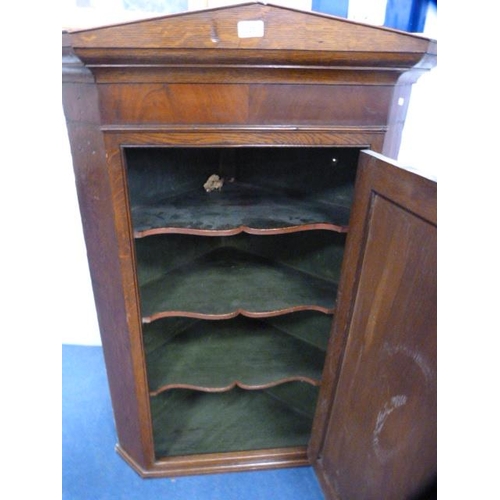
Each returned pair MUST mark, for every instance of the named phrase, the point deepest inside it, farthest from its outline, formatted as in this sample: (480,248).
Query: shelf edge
(235,384)
(233,314)
(326,226)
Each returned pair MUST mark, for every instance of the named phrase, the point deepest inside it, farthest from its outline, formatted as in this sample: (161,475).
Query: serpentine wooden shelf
(227,281)
(235,209)
(220,355)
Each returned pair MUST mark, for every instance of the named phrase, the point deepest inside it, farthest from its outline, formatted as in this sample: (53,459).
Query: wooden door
(379,437)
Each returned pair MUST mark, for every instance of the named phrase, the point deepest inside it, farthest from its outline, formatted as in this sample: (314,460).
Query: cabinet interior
(265,188)
(237,288)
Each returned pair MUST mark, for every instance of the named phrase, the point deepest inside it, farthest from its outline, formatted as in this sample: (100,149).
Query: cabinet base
(219,462)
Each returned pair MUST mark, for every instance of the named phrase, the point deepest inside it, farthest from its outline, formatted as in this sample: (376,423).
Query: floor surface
(93,471)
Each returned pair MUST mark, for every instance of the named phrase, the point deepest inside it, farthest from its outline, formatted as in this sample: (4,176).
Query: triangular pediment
(254,26)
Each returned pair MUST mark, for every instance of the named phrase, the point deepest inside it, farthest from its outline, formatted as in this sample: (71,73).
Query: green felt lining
(235,206)
(227,280)
(187,422)
(318,253)
(215,355)
(268,189)
(162,172)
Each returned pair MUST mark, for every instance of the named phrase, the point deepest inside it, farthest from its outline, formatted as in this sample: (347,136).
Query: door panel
(379,440)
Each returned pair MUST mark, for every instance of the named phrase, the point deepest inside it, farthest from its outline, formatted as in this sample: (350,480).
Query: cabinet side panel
(396,121)
(398,110)
(96,208)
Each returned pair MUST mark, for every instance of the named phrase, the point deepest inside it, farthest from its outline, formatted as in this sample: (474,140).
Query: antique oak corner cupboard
(256,310)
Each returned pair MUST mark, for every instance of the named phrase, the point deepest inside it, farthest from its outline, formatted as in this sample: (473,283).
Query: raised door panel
(380,437)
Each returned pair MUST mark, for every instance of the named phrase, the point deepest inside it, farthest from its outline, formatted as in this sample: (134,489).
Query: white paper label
(250,29)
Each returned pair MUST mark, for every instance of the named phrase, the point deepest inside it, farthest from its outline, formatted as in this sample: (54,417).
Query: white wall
(422,130)
(205,4)
(76,308)
(77,320)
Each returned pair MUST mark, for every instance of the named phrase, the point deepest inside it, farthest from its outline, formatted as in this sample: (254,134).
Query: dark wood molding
(217,463)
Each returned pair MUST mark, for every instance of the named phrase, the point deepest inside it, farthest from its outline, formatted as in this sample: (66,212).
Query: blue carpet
(93,471)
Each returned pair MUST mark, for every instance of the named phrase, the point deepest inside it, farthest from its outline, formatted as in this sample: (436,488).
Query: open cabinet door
(378,437)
